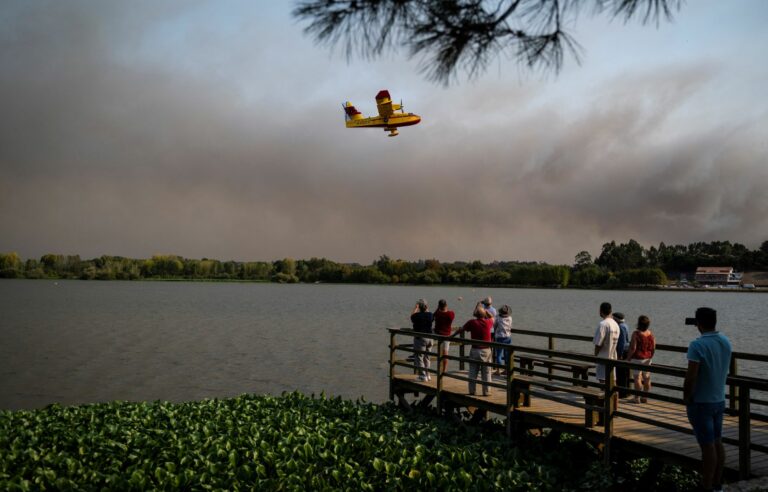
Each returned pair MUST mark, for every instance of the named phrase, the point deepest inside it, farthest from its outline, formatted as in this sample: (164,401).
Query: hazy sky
(214,129)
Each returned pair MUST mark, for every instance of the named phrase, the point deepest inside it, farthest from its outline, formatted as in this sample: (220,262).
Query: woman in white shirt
(502,329)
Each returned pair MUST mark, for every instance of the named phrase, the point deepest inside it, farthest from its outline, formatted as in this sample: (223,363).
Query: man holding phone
(709,358)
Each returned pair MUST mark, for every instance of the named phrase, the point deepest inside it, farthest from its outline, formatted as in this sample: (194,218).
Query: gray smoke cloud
(110,145)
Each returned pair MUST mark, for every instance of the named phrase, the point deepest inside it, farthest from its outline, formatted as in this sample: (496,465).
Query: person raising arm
(480,329)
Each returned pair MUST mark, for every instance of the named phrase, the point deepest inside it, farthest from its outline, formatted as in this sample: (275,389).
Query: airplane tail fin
(350,113)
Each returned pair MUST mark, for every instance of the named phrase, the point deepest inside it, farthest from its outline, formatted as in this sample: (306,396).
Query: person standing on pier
(622,348)
(709,358)
(422,323)
(606,339)
(443,320)
(488,306)
(641,351)
(490,312)
(502,330)
(480,329)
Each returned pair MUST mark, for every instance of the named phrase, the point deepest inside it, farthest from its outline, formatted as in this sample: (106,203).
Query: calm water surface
(86,341)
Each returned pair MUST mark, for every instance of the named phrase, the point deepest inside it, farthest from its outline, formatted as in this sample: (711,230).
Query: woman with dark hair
(443,321)
(641,350)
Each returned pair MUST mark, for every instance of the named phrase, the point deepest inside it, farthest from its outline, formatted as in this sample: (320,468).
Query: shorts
(600,373)
(644,374)
(706,420)
(446,346)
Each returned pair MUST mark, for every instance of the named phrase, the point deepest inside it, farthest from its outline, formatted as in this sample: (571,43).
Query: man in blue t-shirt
(709,358)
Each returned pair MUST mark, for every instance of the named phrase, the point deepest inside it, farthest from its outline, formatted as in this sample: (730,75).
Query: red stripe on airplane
(350,110)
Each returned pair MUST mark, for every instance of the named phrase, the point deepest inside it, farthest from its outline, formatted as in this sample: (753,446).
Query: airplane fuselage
(392,121)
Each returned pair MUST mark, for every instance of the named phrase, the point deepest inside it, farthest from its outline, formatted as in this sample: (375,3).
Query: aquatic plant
(290,442)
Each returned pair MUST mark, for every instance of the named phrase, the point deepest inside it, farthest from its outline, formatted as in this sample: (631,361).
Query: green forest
(618,265)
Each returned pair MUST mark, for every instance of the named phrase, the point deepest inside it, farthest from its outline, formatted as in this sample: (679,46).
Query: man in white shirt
(606,339)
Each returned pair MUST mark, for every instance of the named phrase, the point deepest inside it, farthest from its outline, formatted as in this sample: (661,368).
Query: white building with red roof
(717,276)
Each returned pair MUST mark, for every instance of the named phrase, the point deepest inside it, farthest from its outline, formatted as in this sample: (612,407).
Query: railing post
(461,353)
(734,388)
(391,366)
(608,408)
(745,437)
(439,402)
(550,346)
(511,404)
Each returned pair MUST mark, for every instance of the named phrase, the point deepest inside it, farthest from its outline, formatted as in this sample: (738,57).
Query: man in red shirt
(480,328)
(443,321)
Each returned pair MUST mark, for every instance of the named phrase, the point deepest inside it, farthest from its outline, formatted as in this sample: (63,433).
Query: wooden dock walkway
(537,399)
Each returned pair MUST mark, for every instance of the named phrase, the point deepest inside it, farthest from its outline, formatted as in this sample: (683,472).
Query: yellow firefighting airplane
(387,119)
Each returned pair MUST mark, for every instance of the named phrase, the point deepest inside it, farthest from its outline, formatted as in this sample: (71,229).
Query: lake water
(87,341)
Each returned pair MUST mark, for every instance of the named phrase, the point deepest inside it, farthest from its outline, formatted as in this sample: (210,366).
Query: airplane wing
(384,104)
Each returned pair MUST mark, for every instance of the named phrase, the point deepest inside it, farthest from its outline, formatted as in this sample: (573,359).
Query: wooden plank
(647,434)
(760,460)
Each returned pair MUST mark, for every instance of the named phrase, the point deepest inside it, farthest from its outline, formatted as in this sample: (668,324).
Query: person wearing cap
(480,328)
(488,306)
(502,331)
(422,323)
(622,348)
(709,358)
(490,312)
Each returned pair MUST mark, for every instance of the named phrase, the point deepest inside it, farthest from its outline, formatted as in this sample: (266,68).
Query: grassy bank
(291,442)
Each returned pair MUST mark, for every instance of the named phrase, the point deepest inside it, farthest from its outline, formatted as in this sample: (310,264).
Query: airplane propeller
(402,108)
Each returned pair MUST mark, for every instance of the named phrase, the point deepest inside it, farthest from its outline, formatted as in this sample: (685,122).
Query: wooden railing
(733,390)
(518,381)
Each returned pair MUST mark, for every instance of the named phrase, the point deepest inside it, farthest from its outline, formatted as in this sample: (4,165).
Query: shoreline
(491,286)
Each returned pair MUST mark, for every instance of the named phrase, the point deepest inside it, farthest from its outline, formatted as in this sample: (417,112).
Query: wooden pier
(545,388)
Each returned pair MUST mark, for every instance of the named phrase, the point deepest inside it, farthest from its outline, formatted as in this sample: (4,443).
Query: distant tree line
(619,265)
(382,271)
(630,262)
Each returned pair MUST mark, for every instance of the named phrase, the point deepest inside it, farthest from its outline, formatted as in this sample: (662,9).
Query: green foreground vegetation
(618,265)
(292,442)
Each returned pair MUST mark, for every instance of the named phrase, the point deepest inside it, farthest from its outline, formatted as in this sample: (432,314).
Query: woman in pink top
(641,350)
(480,328)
